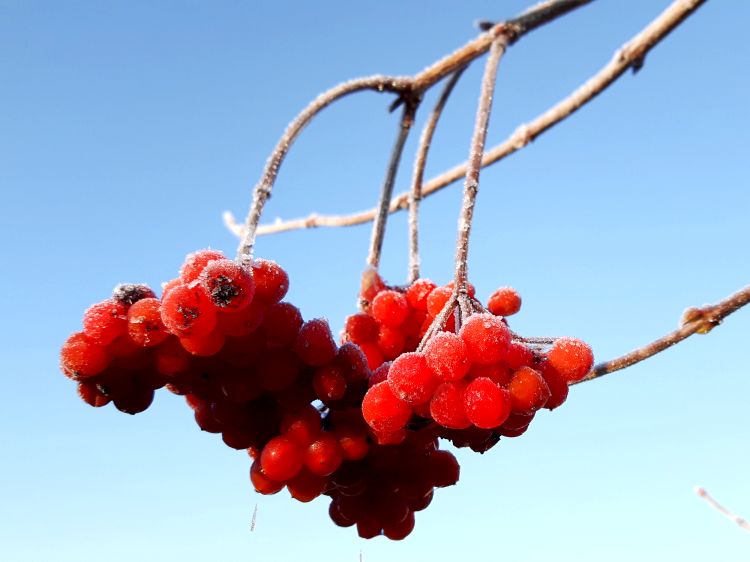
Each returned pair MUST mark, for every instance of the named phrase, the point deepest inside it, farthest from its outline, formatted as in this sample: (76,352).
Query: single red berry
(281,324)
(518,420)
(131,293)
(353,363)
(383,410)
(314,344)
(242,322)
(329,383)
(447,405)
(557,384)
(447,356)
(373,355)
(81,358)
(571,357)
(281,459)
(305,487)
(504,302)
(105,321)
(499,373)
(486,404)
(302,425)
(486,338)
(400,530)
(443,468)
(391,341)
(390,308)
(437,299)
(380,374)
(337,517)
(187,311)
(229,285)
(271,281)
(518,356)
(203,345)
(324,455)
(411,379)
(418,292)
(262,483)
(171,359)
(90,393)
(145,326)
(528,390)
(196,262)
(353,442)
(360,328)
(370,285)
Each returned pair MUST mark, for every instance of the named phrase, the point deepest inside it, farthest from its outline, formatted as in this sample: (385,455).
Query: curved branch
(631,55)
(694,321)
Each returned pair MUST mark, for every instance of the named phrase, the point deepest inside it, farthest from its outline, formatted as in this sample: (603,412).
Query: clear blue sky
(126,128)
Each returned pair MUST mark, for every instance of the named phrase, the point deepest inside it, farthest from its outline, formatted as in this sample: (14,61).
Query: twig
(721,509)
(694,320)
(631,55)
(471,184)
(378,227)
(415,193)
(263,188)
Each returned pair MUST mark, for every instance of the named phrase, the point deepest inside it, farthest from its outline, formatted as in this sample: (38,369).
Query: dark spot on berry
(130,293)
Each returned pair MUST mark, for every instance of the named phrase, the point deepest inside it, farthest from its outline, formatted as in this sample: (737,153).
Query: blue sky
(127,128)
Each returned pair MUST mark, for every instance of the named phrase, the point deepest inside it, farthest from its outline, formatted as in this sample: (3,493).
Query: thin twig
(631,55)
(415,193)
(471,184)
(263,188)
(694,321)
(378,227)
(743,523)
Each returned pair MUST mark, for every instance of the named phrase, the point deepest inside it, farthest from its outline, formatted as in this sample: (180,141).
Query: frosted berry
(145,326)
(390,308)
(447,405)
(105,321)
(447,356)
(418,292)
(131,293)
(187,311)
(383,410)
(314,344)
(486,338)
(528,390)
(486,404)
(196,262)
(229,285)
(570,357)
(411,379)
(271,281)
(504,302)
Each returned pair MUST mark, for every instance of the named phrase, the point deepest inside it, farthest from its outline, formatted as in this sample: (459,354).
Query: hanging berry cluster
(316,417)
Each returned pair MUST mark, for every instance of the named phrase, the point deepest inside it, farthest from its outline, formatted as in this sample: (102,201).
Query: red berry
(558,386)
(390,308)
(447,405)
(443,468)
(131,293)
(400,530)
(418,292)
(105,321)
(81,358)
(499,373)
(447,356)
(353,363)
(229,285)
(360,328)
(383,410)
(373,354)
(391,341)
(305,487)
(504,302)
(187,311)
(380,374)
(281,459)
(570,357)
(90,393)
(262,483)
(329,383)
(203,345)
(486,404)
(324,455)
(302,425)
(519,356)
(196,262)
(271,281)
(528,390)
(314,344)
(281,324)
(437,299)
(171,359)
(353,443)
(411,379)
(241,322)
(145,325)
(371,284)
(486,338)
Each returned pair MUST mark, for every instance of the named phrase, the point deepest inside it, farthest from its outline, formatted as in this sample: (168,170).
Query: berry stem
(415,193)
(439,320)
(411,103)
(471,184)
(262,190)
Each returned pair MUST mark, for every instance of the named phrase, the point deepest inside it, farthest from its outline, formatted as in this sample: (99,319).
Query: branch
(721,509)
(415,193)
(694,321)
(378,227)
(631,55)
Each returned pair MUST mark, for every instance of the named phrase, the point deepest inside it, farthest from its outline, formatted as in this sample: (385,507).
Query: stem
(629,56)
(471,185)
(695,320)
(415,193)
(378,227)
(263,188)
(743,523)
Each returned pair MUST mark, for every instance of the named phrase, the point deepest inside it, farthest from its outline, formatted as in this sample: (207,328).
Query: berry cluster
(477,383)
(253,370)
